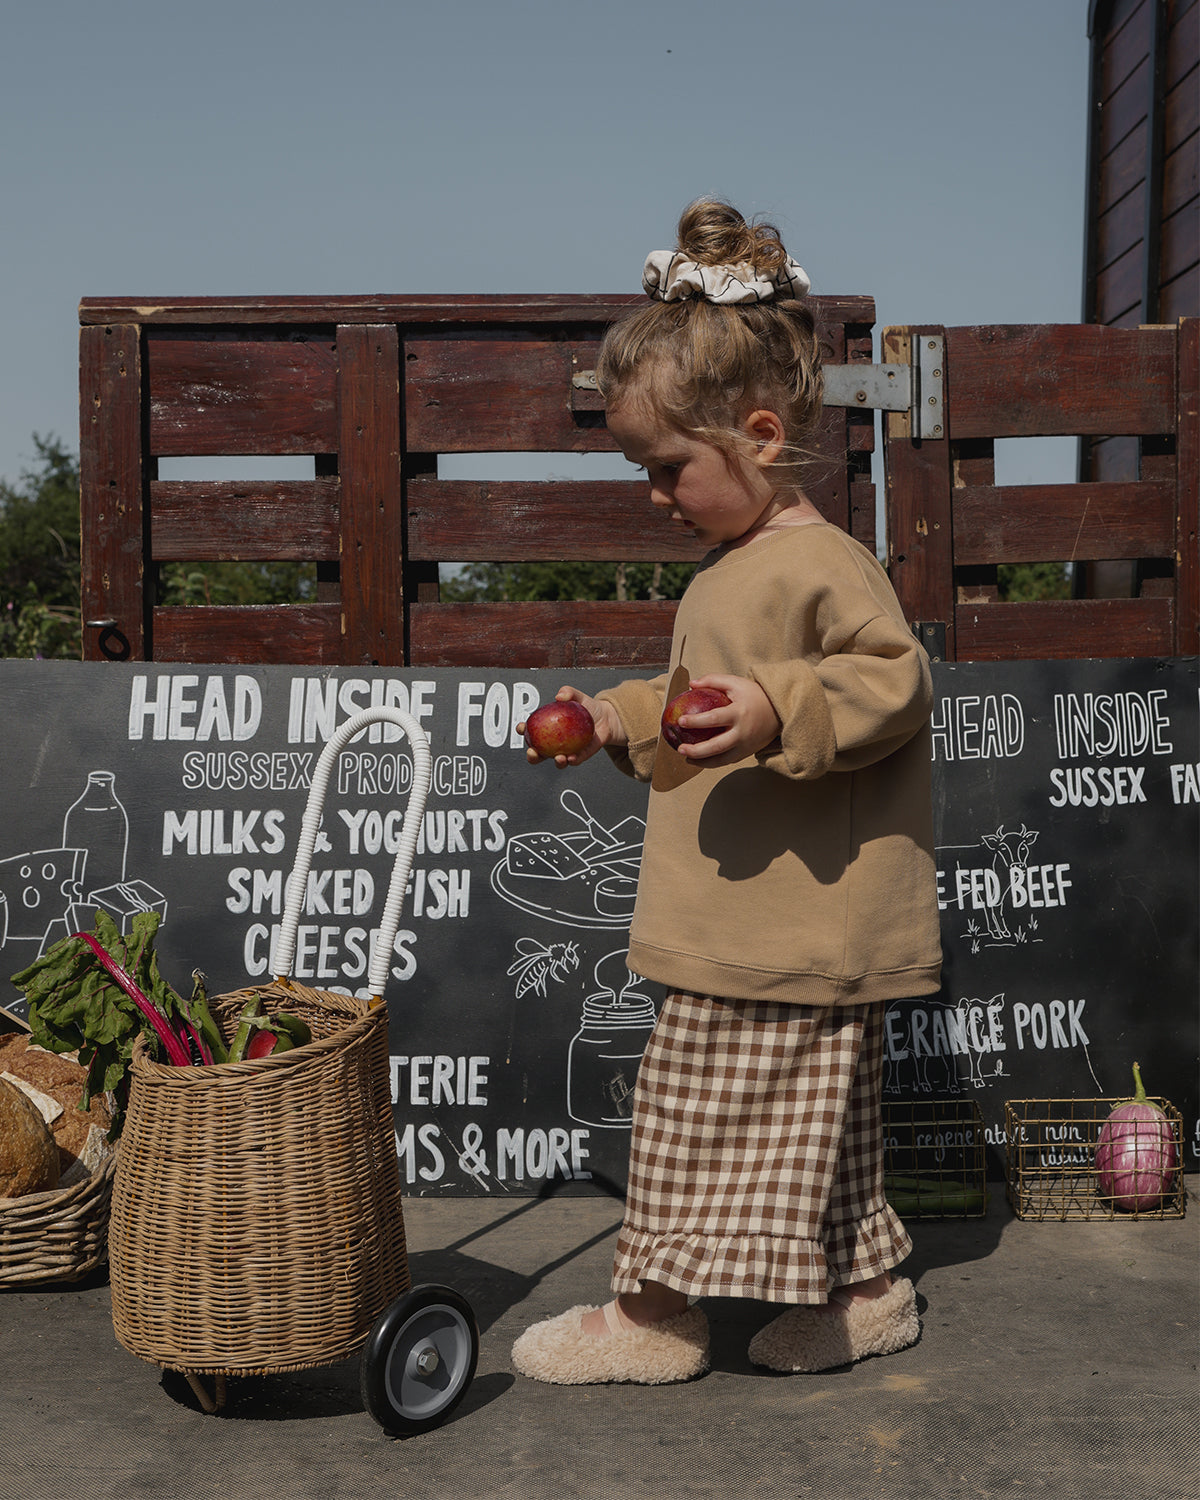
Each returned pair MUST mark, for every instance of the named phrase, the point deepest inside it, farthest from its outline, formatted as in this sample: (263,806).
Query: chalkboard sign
(1067,801)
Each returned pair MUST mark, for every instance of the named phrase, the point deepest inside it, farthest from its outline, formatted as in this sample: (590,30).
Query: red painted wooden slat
(1063,523)
(540,634)
(1018,380)
(1068,628)
(1126,107)
(544,520)
(111,489)
(1122,227)
(369,449)
(293,519)
(1122,170)
(919,516)
(1126,45)
(431,310)
(1187,455)
(237,635)
(222,396)
(497,395)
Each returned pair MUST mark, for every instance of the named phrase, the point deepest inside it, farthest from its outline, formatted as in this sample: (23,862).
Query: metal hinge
(917,387)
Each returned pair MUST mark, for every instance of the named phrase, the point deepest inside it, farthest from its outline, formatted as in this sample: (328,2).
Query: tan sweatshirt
(805,873)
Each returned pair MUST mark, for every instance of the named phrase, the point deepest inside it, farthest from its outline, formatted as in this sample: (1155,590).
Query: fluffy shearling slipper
(560,1352)
(821,1338)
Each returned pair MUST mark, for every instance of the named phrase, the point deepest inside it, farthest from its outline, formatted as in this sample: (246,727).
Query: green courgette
(933,1197)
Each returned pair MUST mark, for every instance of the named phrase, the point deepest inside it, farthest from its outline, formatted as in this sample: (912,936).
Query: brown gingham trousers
(756,1158)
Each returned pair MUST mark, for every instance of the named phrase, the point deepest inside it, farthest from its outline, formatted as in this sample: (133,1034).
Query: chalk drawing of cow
(992,864)
(1010,851)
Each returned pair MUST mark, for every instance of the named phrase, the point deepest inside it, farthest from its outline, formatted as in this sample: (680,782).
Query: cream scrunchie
(669,276)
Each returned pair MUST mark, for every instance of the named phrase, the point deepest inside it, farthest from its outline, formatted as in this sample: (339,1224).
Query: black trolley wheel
(419,1360)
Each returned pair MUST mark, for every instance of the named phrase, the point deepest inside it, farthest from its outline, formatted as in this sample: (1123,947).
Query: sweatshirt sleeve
(639,706)
(864,690)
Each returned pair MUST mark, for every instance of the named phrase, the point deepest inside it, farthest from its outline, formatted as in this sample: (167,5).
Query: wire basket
(1050,1161)
(61,1235)
(256,1220)
(935,1159)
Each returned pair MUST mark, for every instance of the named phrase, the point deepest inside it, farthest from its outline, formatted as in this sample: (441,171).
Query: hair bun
(713,233)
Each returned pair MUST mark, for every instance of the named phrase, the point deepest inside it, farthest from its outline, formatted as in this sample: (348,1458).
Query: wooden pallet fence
(374,390)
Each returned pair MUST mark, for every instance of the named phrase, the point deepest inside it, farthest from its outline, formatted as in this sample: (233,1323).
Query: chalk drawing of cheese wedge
(543,856)
(38,889)
(569,878)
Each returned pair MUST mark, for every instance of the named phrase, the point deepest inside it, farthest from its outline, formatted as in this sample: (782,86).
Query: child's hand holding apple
(729,718)
(570,728)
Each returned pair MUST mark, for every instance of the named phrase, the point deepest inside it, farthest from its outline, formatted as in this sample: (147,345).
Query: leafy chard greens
(75,1006)
(96,993)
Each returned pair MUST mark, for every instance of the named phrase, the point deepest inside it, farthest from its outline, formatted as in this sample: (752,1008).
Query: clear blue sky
(928,152)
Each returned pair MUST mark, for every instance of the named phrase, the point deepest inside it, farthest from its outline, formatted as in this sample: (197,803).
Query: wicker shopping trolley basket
(256,1216)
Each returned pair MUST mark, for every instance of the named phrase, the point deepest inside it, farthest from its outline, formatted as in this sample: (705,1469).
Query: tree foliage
(39,564)
(39,556)
(491,582)
(236,583)
(1017,581)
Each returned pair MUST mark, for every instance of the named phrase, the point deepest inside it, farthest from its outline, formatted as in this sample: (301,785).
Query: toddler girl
(787,888)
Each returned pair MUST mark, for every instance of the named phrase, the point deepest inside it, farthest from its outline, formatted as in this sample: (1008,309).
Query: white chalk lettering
(502,708)
(441,832)
(459,775)
(204,831)
(968,727)
(1097,786)
(326,952)
(439,1080)
(1039,885)
(540,1154)
(440,893)
(406,1151)
(1057,1025)
(426,1151)
(370,773)
(337,893)
(239,770)
(1096,725)
(1185,783)
(174,705)
(316,706)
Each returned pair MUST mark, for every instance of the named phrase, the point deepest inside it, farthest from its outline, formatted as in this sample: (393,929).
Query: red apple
(693,701)
(559,728)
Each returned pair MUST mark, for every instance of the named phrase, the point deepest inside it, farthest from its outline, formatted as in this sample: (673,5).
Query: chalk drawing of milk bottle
(98,823)
(603,1060)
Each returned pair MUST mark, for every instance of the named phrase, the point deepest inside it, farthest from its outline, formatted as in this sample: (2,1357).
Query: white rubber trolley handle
(297,885)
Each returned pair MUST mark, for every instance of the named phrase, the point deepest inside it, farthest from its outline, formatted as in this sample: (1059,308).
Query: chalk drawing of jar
(98,823)
(603,1060)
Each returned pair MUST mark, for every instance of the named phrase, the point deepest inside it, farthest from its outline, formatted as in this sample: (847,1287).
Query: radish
(1136,1158)
(262,1044)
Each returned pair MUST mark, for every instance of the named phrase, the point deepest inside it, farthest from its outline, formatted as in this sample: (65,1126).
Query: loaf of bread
(62,1079)
(29,1161)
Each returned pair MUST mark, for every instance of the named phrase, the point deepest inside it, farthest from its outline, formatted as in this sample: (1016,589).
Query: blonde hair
(702,367)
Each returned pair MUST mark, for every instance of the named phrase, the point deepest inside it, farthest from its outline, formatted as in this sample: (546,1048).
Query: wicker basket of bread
(56,1168)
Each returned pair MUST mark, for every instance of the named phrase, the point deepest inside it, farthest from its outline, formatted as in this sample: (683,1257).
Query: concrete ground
(1056,1360)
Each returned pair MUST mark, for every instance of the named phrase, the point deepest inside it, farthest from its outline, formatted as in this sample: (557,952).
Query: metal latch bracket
(932,635)
(917,387)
